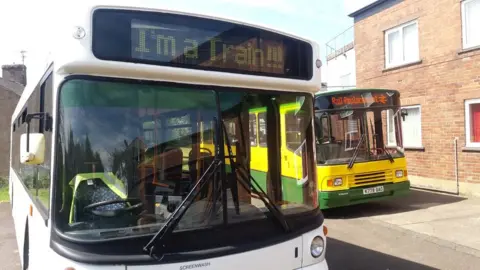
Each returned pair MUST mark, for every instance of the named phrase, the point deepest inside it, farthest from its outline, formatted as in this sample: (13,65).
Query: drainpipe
(455,152)
(456,165)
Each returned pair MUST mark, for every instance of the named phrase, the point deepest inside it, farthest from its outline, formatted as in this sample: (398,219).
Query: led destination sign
(357,99)
(360,100)
(198,43)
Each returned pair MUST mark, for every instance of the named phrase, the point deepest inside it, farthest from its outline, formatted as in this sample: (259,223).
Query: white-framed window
(412,126)
(471,23)
(472,122)
(401,45)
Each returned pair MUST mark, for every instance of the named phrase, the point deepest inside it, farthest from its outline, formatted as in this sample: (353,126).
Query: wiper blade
(383,145)
(390,157)
(167,228)
(355,153)
(257,190)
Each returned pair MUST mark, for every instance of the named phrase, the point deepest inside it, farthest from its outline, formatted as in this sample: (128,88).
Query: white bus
(108,166)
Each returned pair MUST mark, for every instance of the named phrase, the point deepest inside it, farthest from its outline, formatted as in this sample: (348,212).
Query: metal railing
(340,44)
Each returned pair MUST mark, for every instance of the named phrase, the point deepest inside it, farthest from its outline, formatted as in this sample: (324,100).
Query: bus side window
(207,131)
(262,129)
(231,131)
(42,188)
(253,129)
(295,129)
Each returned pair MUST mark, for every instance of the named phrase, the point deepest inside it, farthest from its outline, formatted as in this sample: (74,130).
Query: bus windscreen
(198,43)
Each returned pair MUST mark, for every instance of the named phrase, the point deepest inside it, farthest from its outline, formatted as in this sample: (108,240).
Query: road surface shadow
(343,256)
(417,199)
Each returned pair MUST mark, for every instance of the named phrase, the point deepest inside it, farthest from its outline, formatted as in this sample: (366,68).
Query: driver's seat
(93,191)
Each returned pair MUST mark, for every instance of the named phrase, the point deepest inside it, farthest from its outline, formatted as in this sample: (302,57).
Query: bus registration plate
(373,190)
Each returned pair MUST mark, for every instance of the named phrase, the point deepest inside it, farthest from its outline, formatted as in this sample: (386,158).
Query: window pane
(262,129)
(410,43)
(295,130)
(230,125)
(394,48)
(391,128)
(208,130)
(253,130)
(412,128)
(475,122)
(472,23)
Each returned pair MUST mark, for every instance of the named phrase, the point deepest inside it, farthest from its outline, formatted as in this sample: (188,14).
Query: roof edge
(365,8)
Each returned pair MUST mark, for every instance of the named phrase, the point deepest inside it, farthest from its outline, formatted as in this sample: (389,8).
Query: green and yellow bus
(294,122)
(360,157)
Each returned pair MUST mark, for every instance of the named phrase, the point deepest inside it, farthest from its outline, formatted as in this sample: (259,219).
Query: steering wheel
(113,213)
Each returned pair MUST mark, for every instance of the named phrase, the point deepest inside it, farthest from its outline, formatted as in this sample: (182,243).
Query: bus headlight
(317,246)
(338,182)
(399,173)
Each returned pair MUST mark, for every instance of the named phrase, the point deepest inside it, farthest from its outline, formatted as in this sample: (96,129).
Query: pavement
(9,258)
(423,230)
(365,245)
(444,218)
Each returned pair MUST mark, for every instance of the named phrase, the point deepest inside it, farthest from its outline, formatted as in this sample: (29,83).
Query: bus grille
(371,178)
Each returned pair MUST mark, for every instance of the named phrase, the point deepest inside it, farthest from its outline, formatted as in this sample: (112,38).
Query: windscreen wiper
(388,154)
(355,153)
(383,145)
(255,188)
(167,228)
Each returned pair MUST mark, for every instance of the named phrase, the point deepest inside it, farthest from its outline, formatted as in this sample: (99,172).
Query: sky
(28,24)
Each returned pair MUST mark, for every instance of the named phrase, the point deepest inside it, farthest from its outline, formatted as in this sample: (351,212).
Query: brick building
(12,83)
(429,50)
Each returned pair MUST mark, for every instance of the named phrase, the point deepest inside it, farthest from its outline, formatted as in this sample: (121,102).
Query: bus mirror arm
(42,116)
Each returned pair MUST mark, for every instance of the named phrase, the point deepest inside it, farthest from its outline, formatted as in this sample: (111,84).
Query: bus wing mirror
(32,148)
(32,145)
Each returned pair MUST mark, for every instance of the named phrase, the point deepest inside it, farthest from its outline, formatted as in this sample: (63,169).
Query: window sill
(471,149)
(404,65)
(414,148)
(469,49)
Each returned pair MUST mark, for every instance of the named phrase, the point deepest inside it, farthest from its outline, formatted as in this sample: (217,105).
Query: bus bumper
(332,199)
(319,266)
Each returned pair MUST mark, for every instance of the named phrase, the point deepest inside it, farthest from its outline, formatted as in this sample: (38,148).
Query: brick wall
(8,101)
(441,83)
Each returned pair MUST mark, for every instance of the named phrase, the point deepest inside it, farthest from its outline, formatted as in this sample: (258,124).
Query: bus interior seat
(197,167)
(170,162)
(89,192)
